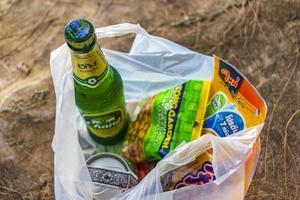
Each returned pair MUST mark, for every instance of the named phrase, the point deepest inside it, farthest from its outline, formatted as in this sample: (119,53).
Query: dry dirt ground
(260,37)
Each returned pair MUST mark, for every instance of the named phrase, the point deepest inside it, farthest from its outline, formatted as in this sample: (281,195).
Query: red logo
(228,79)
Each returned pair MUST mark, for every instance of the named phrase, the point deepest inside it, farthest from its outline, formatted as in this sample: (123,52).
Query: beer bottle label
(105,125)
(88,68)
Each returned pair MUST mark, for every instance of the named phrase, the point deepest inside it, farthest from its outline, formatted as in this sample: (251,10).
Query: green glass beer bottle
(98,86)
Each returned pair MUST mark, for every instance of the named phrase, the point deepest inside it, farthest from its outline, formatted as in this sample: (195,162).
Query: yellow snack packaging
(234,105)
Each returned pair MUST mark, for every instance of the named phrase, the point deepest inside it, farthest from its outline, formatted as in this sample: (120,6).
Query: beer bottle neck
(90,67)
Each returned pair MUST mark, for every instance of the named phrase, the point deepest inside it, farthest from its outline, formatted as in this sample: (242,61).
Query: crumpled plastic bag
(152,65)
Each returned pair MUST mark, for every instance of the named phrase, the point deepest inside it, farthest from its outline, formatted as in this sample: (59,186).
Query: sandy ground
(260,37)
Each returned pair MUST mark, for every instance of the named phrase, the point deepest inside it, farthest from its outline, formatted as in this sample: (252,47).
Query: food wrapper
(166,120)
(234,105)
(198,172)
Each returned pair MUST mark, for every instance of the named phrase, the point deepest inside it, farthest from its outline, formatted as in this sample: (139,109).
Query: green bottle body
(99,96)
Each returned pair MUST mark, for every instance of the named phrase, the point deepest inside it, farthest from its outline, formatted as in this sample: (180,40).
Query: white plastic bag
(153,64)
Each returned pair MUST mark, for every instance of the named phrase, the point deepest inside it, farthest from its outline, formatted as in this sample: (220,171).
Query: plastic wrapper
(234,104)
(153,65)
(166,120)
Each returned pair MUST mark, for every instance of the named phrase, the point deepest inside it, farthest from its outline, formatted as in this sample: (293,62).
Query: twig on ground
(12,190)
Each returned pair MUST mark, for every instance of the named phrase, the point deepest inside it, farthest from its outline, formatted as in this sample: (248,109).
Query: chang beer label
(88,68)
(105,125)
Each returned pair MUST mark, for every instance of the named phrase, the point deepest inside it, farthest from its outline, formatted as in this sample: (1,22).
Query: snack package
(166,120)
(198,172)
(234,105)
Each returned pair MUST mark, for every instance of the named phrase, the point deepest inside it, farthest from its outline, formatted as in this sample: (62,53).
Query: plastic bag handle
(119,29)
